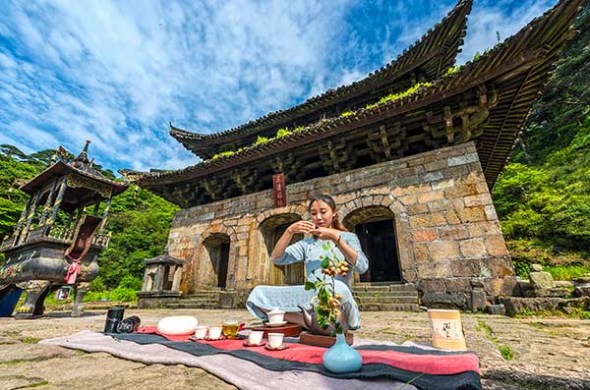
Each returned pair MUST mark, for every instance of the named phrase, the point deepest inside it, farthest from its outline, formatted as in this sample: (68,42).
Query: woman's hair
(327,199)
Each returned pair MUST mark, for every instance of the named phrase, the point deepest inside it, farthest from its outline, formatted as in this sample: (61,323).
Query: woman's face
(321,214)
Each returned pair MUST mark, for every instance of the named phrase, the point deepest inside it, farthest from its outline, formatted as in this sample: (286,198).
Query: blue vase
(342,358)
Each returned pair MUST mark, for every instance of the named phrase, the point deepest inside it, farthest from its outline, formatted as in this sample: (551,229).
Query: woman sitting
(324,227)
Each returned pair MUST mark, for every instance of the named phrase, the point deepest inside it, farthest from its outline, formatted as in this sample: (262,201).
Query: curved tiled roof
(435,52)
(518,68)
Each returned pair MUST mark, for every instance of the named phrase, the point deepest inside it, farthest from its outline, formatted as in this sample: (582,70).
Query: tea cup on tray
(215,332)
(275,340)
(255,337)
(276,317)
(201,331)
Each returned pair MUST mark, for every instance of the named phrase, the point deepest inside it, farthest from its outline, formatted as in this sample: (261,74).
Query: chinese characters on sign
(278,186)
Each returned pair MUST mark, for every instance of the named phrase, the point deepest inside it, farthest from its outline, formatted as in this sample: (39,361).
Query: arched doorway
(217,246)
(272,229)
(375,227)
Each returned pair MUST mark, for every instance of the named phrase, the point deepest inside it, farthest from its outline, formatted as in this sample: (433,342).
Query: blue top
(310,250)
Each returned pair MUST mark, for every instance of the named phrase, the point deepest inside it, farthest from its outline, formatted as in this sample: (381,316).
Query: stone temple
(409,153)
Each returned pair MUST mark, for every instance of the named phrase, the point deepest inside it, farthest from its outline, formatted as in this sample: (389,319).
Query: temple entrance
(272,230)
(375,229)
(218,247)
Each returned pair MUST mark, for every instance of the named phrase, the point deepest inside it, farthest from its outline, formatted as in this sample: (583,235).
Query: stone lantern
(161,282)
(59,234)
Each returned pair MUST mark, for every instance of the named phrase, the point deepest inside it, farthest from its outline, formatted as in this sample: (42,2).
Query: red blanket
(425,368)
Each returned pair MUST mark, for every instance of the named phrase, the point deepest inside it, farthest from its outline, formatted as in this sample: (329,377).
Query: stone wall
(448,236)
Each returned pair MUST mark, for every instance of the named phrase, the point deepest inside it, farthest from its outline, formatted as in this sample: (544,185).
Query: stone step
(391,287)
(386,293)
(204,294)
(389,307)
(395,300)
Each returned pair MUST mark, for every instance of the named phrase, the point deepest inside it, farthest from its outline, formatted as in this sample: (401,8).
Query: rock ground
(548,352)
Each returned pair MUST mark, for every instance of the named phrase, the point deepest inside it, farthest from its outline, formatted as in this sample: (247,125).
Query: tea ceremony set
(279,354)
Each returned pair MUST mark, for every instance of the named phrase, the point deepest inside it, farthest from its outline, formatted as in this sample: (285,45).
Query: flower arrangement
(326,302)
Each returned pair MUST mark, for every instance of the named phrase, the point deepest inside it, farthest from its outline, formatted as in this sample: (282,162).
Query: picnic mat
(384,366)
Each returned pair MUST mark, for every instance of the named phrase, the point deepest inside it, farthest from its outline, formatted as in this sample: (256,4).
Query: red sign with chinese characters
(278,186)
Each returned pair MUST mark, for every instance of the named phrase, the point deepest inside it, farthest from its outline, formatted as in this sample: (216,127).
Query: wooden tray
(322,341)
(289,330)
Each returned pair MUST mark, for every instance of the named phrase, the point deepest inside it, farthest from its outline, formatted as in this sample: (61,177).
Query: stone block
(472,214)
(432,176)
(496,246)
(437,165)
(536,267)
(478,299)
(461,189)
(490,211)
(473,248)
(444,250)
(429,197)
(478,200)
(418,208)
(466,268)
(452,218)
(442,184)
(497,309)
(435,269)
(541,280)
(462,160)
(424,235)
(450,233)
(421,253)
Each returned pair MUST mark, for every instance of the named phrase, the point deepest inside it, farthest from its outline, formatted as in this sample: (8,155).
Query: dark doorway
(217,246)
(378,242)
(223,261)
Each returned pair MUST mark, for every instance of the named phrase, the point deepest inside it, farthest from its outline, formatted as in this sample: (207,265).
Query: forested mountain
(543,197)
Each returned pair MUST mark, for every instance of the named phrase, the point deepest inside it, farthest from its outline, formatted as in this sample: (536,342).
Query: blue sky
(116,72)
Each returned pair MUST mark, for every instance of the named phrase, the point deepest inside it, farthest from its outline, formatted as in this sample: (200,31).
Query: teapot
(311,322)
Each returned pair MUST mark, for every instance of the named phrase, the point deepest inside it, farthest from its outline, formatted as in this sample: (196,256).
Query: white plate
(275,324)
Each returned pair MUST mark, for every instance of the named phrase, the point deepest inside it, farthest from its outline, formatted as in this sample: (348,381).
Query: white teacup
(275,316)
(275,340)
(255,337)
(215,332)
(200,331)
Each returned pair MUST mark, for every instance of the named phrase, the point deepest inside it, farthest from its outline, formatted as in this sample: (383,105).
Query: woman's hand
(325,233)
(301,227)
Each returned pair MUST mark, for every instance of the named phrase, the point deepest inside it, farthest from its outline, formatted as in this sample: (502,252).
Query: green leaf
(325,263)
(309,286)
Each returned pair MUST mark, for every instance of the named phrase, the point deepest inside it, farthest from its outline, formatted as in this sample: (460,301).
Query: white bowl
(177,325)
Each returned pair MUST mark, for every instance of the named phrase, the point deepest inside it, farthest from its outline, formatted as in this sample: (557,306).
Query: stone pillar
(176,280)
(22,218)
(60,195)
(30,216)
(159,278)
(48,204)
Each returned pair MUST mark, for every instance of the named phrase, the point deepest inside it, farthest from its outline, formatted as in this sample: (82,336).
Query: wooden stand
(289,330)
(322,341)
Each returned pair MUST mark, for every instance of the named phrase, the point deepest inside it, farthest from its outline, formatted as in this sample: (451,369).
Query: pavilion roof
(503,82)
(80,166)
(433,55)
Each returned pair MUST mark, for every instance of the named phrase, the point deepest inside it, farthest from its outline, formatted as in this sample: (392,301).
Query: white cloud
(117,72)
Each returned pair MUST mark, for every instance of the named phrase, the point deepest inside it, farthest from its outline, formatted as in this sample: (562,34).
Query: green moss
(30,340)
(261,140)
(506,352)
(282,132)
(504,349)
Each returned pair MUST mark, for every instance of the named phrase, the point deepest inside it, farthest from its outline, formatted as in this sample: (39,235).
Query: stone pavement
(547,352)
